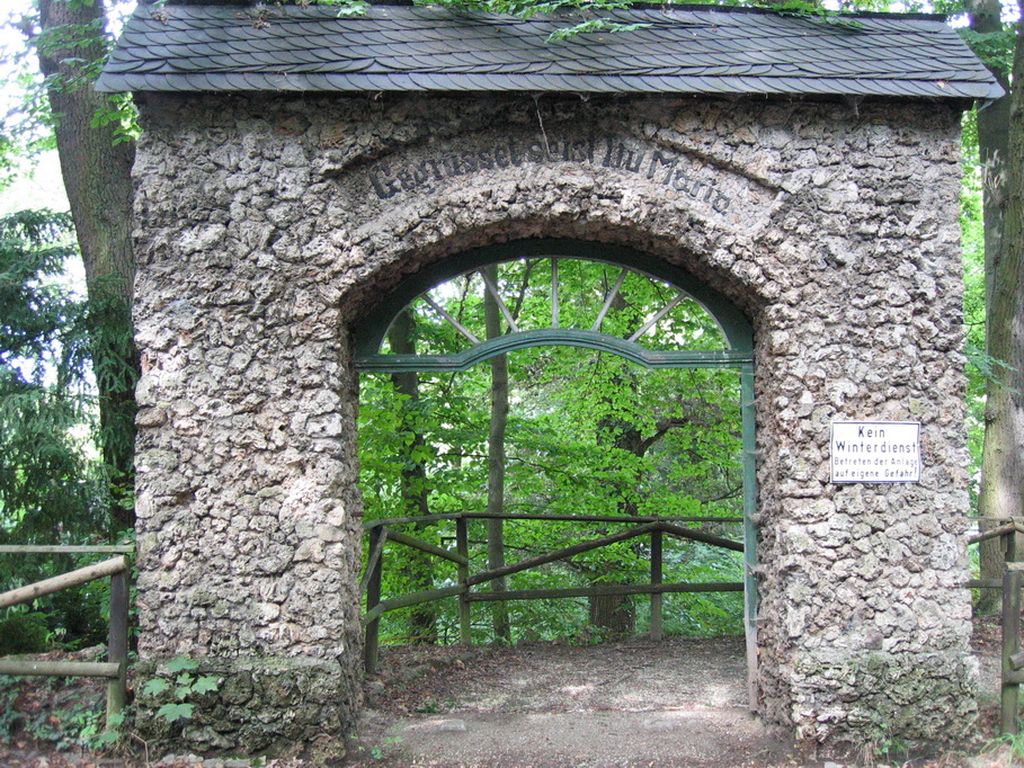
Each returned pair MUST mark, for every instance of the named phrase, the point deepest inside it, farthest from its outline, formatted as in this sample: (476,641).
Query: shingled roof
(696,49)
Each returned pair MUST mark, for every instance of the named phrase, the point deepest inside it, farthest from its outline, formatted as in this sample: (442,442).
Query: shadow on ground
(629,703)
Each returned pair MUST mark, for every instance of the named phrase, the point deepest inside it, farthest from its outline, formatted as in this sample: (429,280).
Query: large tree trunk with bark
(993,145)
(97,176)
(418,566)
(496,459)
(1000,146)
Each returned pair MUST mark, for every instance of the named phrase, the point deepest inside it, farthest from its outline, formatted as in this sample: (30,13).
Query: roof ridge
(639,6)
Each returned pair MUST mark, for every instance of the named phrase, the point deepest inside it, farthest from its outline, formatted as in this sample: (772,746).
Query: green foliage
(41,333)
(588,433)
(380,751)
(23,633)
(100,733)
(346,7)
(8,711)
(8,158)
(54,710)
(993,48)
(527,8)
(204,684)
(173,711)
(591,26)
(82,51)
(52,489)
(35,311)
(585,16)
(45,484)
(120,113)
(178,679)
(980,366)
(1015,741)
(155,686)
(182,664)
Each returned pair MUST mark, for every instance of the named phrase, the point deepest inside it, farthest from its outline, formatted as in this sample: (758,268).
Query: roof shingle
(696,49)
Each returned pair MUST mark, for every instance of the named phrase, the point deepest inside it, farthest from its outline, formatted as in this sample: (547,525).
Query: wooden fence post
(1010,690)
(656,597)
(462,546)
(117,644)
(372,598)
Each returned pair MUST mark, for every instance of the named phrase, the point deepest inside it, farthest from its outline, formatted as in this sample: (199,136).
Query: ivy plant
(185,686)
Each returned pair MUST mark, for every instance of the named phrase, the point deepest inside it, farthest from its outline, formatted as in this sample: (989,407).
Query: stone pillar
(249,520)
(865,620)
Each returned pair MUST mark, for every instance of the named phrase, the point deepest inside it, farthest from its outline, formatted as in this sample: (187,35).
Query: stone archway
(270,226)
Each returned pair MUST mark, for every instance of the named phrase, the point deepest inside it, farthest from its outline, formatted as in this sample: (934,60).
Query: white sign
(876,452)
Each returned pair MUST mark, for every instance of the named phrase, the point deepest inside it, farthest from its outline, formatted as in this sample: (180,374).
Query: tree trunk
(993,145)
(615,614)
(1002,470)
(418,566)
(496,459)
(97,177)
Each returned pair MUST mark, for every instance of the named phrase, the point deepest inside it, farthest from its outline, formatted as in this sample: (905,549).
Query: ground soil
(621,704)
(633,702)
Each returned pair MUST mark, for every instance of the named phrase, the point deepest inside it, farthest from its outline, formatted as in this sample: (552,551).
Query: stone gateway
(296,167)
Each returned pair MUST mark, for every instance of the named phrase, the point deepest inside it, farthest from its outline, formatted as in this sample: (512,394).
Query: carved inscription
(660,165)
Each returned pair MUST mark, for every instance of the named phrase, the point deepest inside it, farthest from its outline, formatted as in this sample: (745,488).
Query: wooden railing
(381,532)
(114,668)
(1012,675)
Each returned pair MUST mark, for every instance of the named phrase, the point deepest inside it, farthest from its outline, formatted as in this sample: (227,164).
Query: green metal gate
(737,352)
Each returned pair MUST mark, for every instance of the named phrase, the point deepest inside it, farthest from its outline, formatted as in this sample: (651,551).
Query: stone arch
(263,239)
(534,201)
(633,214)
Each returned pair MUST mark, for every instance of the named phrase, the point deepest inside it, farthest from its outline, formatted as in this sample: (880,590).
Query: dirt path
(693,736)
(623,704)
(631,675)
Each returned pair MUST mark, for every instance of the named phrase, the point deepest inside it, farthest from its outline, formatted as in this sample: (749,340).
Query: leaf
(106,739)
(206,684)
(184,679)
(172,713)
(155,686)
(593,26)
(346,7)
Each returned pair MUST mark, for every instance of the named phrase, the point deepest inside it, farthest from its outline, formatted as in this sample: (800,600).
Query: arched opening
(567,305)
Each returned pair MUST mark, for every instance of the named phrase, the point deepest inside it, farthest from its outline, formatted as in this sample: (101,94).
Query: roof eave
(293,83)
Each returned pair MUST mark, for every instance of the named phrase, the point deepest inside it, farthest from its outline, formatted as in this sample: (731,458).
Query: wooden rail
(66,549)
(544,516)
(115,667)
(1012,674)
(60,668)
(605,589)
(1012,527)
(381,532)
(70,579)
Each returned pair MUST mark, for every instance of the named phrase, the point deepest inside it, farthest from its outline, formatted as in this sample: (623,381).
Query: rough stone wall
(267,225)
